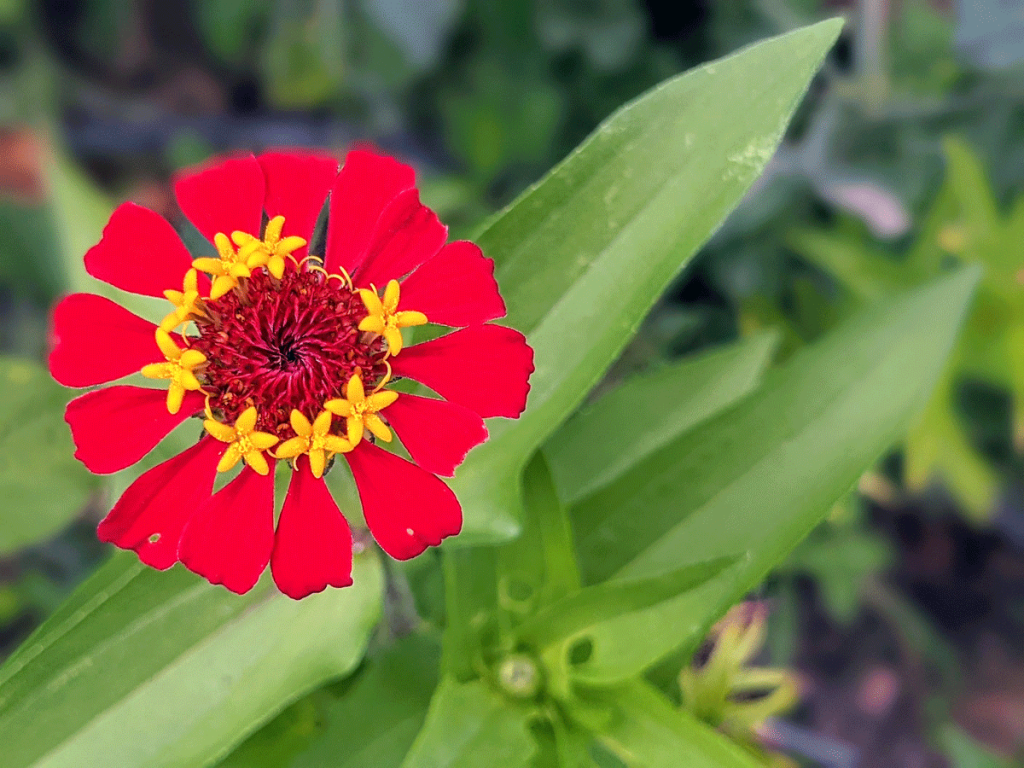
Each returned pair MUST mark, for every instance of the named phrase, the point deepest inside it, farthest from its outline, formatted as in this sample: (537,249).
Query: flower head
(288,357)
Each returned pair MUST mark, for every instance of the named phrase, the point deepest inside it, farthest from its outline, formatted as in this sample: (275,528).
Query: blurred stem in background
(871,53)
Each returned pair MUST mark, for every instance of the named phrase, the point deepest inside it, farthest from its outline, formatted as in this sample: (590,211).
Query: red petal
(114,427)
(229,539)
(437,434)
(455,288)
(223,197)
(140,252)
(160,502)
(485,368)
(297,188)
(407,235)
(313,546)
(93,341)
(363,189)
(406,508)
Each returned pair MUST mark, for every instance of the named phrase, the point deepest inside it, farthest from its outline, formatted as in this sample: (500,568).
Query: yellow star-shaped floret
(244,442)
(270,252)
(184,302)
(226,269)
(179,369)
(315,439)
(360,410)
(384,318)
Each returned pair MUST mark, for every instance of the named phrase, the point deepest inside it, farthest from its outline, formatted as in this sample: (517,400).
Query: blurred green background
(903,616)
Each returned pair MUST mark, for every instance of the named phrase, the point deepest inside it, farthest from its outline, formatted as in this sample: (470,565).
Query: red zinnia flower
(287,353)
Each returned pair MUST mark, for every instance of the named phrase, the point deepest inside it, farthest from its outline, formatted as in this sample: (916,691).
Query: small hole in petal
(154,538)
(410,531)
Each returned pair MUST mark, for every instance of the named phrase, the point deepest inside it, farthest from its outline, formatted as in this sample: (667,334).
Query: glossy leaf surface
(583,255)
(757,478)
(162,669)
(607,437)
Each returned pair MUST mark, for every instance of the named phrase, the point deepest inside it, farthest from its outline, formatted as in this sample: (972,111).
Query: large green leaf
(470,726)
(141,668)
(756,479)
(584,254)
(602,602)
(648,732)
(375,723)
(963,219)
(631,422)
(42,485)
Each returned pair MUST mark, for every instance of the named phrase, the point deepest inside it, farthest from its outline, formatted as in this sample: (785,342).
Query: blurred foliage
(34,445)
(965,752)
(964,224)
(839,555)
(727,691)
(903,162)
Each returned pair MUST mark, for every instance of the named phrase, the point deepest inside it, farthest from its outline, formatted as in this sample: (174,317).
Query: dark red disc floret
(284,344)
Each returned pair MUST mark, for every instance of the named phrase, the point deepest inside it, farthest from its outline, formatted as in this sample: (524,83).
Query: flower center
(279,344)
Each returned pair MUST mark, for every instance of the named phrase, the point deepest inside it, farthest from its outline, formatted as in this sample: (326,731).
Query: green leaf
(42,485)
(375,723)
(80,211)
(606,438)
(759,477)
(500,118)
(280,741)
(839,559)
(229,26)
(470,726)
(505,584)
(866,270)
(648,732)
(602,602)
(539,567)
(28,229)
(964,219)
(926,254)
(1014,341)
(162,669)
(303,60)
(962,751)
(936,447)
(583,255)
(970,183)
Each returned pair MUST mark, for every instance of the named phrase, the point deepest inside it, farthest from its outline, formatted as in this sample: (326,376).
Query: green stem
(456,646)
(550,516)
